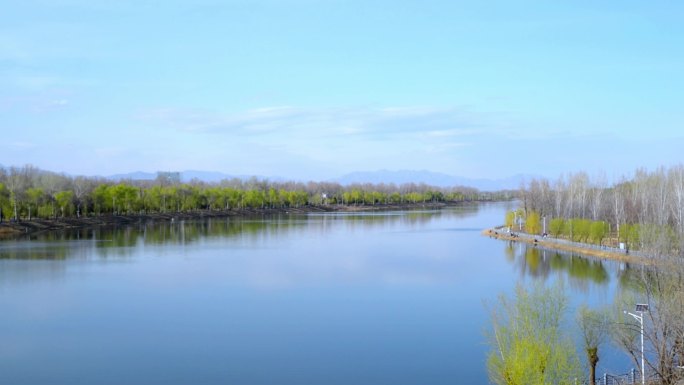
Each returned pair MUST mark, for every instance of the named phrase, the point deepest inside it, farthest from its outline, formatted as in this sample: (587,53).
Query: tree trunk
(593,360)
(16,216)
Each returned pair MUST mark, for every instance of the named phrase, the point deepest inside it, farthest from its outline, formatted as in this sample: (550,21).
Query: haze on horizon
(312,89)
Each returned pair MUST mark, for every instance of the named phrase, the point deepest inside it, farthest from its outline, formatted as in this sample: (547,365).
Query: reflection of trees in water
(635,277)
(37,251)
(510,251)
(122,241)
(537,262)
(19,272)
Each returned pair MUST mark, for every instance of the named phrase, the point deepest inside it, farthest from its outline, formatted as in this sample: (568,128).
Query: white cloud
(23,145)
(363,122)
(352,138)
(34,103)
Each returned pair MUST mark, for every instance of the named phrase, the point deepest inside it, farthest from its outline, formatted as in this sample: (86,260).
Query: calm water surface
(382,298)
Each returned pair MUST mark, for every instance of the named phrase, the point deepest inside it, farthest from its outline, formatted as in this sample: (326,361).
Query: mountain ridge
(397,177)
(431,178)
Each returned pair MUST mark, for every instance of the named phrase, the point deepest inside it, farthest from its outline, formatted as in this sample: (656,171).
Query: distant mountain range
(432,179)
(188,175)
(375,177)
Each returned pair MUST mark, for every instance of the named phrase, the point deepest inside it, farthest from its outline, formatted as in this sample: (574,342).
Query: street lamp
(640,308)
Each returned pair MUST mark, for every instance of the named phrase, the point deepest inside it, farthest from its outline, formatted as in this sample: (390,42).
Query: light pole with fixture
(640,308)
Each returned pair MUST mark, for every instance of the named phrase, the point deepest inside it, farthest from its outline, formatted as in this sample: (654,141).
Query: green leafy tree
(155,199)
(577,229)
(102,199)
(34,200)
(510,218)
(556,226)
(254,199)
(213,196)
(528,344)
(64,201)
(598,231)
(5,202)
(582,229)
(632,234)
(533,223)
(124,197)
(273,198)
(594,326)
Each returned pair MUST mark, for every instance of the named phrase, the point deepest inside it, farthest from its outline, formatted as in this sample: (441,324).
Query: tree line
(646,211)
(28,193)
(646,205)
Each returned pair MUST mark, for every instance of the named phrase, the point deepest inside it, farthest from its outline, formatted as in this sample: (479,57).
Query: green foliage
(5,203)
(528,344)
(35,198)
(595,328)
(556,226)
(568,229)
(533,223)
(577,229)
(510,218)
(64,200)
(631,235)
(102,199)
(27,192)
(582,229)
(598,231)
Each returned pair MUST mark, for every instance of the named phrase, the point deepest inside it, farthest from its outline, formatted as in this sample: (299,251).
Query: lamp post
(517,220)
(640,308)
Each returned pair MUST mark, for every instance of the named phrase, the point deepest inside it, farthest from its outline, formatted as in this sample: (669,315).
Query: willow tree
(533,223)
(595,331)
(528,344)
(510,219)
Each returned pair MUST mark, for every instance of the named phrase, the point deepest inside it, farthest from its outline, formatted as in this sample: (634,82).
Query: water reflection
(362,298)
(414,247)
(581,272)
(123,240)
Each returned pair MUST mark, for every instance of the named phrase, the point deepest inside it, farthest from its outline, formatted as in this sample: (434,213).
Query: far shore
(13,229)
(552,244)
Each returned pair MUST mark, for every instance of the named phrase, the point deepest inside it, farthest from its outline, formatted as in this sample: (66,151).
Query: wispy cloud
(344,138)
(23,145)
(34,104)
(363,122)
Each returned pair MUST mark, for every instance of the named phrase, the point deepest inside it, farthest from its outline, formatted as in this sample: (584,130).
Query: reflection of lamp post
(640,308)
(515,218)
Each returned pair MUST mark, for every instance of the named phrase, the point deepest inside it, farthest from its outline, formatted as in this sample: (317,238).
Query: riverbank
(557,244)
(11,229)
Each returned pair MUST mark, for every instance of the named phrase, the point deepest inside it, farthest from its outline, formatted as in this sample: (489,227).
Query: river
(340,298)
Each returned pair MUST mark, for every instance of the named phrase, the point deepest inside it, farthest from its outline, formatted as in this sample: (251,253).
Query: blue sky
(310,89)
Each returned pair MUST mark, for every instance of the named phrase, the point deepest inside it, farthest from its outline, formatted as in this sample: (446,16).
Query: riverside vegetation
(28,193)
(645,213)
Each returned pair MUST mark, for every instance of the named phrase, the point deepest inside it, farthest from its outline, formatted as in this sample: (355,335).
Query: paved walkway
(565,245)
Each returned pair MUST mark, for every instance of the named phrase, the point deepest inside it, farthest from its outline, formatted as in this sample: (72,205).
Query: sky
(314,89)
